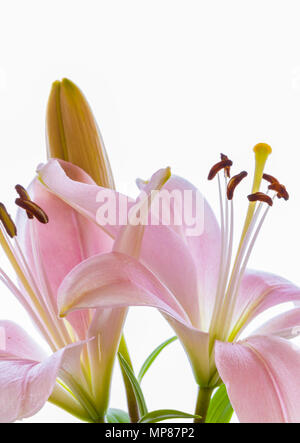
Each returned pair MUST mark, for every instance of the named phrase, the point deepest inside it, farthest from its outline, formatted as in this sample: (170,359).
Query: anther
(7,222)
(24,196)
(233,182)
(34,209)
(270,178)
(227,168)
(223,164)
(22,192)
(280,189)
(260,196)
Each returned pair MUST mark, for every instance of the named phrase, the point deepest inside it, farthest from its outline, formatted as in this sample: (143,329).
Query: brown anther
(24,196)
(7,222)
(22,192)
(33,209)
(270,178)
(227,168)
(233,182)
(260,196)
(223,164)
(280,189)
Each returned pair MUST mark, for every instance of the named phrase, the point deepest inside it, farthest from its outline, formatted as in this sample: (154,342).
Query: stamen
(260,196)
(280,189)
(227,168)
(270,178)
(7,222)
(233,182)
(223,164)
(24,196)
(34,209)
(22,192)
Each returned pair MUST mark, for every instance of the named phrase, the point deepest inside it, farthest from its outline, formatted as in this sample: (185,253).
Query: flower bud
(73,134)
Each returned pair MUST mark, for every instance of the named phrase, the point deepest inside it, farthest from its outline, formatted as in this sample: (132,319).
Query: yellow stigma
(262,152)
(262,147)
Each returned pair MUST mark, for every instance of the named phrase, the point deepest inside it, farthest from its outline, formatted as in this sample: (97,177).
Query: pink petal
(191,269)
(130,237)
(26,384)
(72,185)
(115,280)
(262,378)
(260,291)
(105,331)
(16,342)
(55,248)
(196,346)
(285,325)
(167,256)
(176,270)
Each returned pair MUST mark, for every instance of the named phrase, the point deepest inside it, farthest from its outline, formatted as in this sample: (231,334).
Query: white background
(171,83)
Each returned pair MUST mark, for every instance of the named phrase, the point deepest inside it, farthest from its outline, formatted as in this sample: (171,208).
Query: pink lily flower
(207,301)
(43,247)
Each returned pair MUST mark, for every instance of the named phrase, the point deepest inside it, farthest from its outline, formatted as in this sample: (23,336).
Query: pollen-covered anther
(227,168)
(223,164)
(33,209)
(24,196)
(7,222)
(260,196)
(280,189)
(233,182)
(22,192)
(270,179)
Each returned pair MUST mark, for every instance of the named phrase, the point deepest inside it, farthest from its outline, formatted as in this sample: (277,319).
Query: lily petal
(15,341)
(260,291)
(196,346)
(77,189)
(55,248)
(178,271)
(115,280)
(202,236)
(265,365)
(26,383)
(285,325)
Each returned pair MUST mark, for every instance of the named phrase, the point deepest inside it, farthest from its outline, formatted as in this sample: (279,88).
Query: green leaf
(148,362)
(117,416)
(164,414)
(135,385)
(220,409)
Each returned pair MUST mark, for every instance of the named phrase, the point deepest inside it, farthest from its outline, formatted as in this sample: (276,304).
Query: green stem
(133,408)
(203,400)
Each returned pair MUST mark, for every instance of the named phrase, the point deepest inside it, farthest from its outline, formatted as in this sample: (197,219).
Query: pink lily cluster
(77,277)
